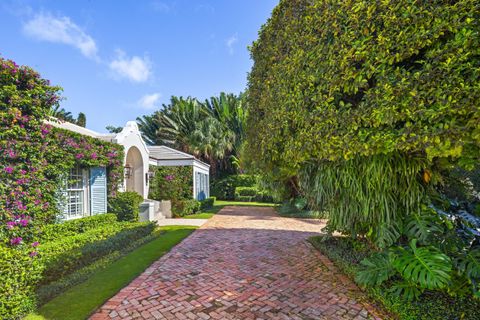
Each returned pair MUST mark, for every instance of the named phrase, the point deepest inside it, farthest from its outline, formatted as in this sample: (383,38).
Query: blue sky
(117,60)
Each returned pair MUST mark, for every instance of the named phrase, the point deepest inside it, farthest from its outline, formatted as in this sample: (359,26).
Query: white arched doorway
(135,166)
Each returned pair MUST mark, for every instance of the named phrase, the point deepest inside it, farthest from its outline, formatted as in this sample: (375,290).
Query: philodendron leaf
(469,264)
(407,290)
(425,266)
(375,269)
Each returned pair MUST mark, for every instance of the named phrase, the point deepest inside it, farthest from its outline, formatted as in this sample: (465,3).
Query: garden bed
(346,254)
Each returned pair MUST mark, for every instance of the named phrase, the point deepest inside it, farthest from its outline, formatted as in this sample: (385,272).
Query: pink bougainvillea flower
(16,241)
(94,155)
(23,222)
(79,155)
(33,254)
(35,244)
(11,225)
(169,177)
(8,170)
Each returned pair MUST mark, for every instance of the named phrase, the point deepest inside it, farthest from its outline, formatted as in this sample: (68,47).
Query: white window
(76,202)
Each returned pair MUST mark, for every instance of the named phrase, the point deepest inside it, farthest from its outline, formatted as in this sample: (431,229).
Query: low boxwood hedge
(71,253)
(51,232)
(207,203)
(181,208)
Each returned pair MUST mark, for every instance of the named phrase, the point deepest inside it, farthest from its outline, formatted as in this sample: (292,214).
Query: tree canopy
(338,79)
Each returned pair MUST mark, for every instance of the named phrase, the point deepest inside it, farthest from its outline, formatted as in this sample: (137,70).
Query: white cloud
(149,101)
(161,6)
(134,68)
(230,42)
(46,27)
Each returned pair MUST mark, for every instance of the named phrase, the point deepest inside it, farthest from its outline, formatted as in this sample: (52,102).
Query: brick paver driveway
(244,263)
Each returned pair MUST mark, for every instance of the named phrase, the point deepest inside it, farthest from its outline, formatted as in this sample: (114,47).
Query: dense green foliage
(185,207)
(337,79)
(171,183)
(224,189)
(19,274)
(431,305)
(213,131)
(207,203)
(56,231)
(70,253)
(48,291)
(252,194)
(125,205)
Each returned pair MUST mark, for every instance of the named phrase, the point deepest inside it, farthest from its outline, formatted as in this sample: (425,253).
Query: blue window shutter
(98,190)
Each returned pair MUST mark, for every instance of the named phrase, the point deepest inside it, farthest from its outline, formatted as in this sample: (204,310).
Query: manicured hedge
(18,275)
(68,254)
(249,194)
(207,203)
(125,205)
(181,208)
(70,228)
(224,189)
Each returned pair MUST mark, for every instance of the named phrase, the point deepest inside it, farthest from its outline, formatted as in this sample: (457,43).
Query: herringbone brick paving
(244,263)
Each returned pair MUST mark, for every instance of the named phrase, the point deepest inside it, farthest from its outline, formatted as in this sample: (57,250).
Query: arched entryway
(135,180)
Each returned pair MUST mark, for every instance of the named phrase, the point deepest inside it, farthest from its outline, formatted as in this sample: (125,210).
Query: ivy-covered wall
(33,158)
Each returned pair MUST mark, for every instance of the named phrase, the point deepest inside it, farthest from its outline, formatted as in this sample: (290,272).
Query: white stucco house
(88,194)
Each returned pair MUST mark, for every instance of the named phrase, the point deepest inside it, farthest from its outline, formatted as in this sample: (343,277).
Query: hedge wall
(337,79)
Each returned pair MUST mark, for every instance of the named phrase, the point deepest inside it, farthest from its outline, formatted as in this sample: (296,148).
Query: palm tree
(149,126)
(62,114)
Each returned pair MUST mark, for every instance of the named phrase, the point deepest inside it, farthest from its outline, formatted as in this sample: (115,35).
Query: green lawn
(80,301)
(219,204)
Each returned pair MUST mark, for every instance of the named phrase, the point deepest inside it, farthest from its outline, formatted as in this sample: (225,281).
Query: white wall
(128,138)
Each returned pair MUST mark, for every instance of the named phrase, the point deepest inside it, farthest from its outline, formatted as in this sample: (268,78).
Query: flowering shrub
(34,156)
(171,183)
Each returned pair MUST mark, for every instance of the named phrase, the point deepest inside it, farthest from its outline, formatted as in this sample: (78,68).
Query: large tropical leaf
(386,235)
(409,291)
(469,264)
(421,226)
(425,266)
(375,269)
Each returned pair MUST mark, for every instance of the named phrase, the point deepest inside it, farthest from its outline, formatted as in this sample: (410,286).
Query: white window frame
(81,187)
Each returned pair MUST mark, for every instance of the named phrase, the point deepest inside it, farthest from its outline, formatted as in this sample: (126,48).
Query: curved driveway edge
(244,263)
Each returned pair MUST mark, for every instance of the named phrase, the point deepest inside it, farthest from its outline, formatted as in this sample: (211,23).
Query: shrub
(249,194)
(126,205)
(185,207)
(171,183)
(224,189)
(18,275)
(49,291)
(68,254)
(207,203)
(246,191)
(54,231)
